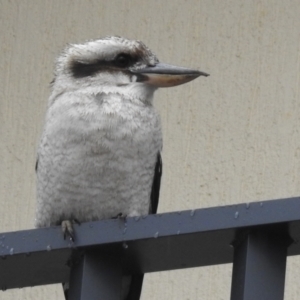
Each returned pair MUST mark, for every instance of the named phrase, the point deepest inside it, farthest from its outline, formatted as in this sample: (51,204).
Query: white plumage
(100,142)
(100,147)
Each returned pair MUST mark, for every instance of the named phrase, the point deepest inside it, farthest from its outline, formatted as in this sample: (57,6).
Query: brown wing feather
(137,280)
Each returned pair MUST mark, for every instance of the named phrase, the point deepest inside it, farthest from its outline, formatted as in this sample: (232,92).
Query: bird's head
(116,65)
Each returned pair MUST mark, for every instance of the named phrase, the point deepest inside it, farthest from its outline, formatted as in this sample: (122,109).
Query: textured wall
(233,137)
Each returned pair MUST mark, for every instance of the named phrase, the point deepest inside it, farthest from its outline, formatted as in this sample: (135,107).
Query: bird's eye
(122,60)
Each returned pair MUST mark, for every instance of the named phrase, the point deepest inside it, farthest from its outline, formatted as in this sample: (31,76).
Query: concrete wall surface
(230,138)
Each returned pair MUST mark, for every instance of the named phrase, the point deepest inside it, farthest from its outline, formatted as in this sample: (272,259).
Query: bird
(99,155)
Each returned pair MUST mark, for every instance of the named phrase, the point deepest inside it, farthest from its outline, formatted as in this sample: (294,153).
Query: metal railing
(256,237)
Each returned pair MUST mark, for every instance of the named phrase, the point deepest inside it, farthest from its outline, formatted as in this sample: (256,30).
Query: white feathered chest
(96,158)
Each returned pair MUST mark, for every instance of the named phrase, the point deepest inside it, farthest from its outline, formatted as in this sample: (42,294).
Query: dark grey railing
(255,237)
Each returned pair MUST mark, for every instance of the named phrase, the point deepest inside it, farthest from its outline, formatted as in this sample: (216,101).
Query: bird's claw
(67,229)
(120,216)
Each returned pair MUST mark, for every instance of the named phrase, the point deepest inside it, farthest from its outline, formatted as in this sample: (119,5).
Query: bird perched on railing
(99,155)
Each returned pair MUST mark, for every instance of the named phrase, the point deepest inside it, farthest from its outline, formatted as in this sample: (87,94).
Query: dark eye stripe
(80,70)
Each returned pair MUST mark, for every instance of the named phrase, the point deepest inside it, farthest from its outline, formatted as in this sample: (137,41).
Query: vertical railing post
(259,264)
(95,276)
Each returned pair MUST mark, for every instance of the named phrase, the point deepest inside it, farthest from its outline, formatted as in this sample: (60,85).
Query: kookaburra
(99,154)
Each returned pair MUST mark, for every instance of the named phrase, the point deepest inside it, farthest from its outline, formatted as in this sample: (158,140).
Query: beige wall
(233,137)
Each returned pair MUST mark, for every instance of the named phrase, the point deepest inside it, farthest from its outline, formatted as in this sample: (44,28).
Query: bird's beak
(163,75)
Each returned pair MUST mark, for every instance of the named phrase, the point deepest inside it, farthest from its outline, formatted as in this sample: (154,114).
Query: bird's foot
(67,229)
(76,222)
(120,216)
